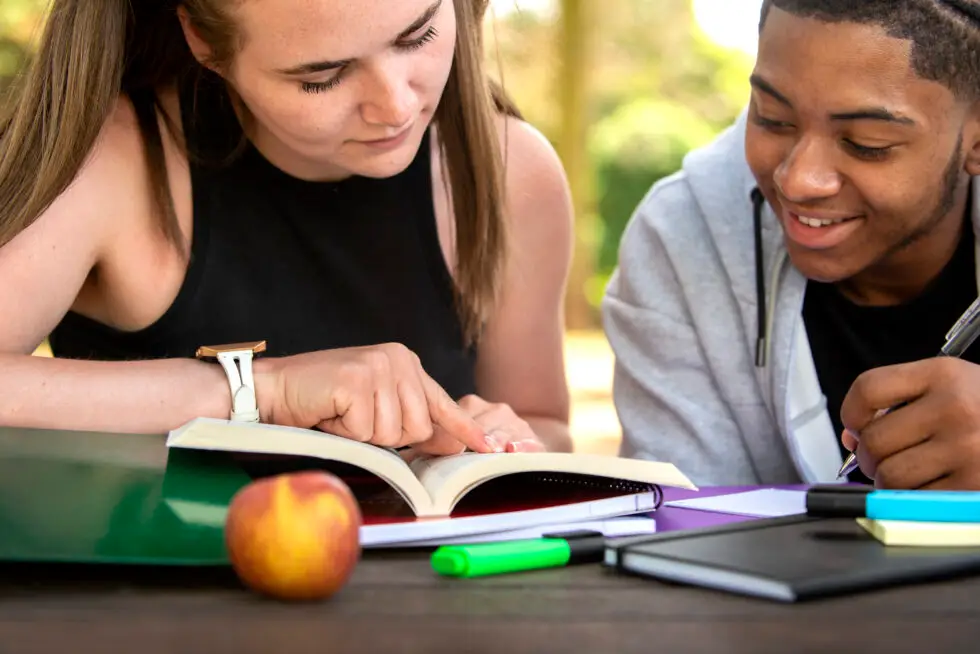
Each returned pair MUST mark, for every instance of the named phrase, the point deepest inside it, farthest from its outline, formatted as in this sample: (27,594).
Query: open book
(431,486)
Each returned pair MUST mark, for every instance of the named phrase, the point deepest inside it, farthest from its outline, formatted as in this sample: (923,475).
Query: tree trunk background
(575,49)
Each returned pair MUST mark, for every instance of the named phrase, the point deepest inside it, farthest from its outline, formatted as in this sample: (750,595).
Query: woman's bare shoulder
(537,190)
(44,266)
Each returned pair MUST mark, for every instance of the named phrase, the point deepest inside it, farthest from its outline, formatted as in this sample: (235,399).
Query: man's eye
(769,123)
(866,152)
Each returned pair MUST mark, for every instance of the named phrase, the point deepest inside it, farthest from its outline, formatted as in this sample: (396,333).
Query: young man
(799,275)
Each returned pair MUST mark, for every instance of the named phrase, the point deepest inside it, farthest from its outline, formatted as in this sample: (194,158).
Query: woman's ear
(971,142)
(199,47)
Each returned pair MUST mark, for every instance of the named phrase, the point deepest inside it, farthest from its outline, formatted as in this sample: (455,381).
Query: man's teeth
(815,222)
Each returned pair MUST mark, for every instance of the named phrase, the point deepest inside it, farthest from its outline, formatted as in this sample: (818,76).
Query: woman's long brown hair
(93,51)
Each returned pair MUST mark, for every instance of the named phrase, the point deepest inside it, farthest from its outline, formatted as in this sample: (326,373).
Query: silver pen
(960,336)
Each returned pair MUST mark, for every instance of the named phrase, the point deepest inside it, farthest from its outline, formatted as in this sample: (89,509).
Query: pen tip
(848,465)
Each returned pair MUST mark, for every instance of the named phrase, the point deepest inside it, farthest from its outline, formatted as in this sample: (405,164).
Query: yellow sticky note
(923,534)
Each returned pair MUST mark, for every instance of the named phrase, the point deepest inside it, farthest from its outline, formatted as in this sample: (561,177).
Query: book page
(448,479)
(225,435)
(436,472)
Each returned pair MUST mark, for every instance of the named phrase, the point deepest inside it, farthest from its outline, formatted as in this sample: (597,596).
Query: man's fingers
(959,481)
(898,430)
(883,388)
(892,432)
(913,468)
(949,482)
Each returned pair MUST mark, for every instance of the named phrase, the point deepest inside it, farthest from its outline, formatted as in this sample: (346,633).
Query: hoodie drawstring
(765,310)
(760,280)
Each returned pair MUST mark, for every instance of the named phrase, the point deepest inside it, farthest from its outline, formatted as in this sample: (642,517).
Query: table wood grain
(394,603)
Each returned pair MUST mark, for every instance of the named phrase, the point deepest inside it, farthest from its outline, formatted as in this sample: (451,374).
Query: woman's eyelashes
(319,87)
(407,46)
(428,36)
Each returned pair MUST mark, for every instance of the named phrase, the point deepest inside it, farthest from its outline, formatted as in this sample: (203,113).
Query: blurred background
(622,88)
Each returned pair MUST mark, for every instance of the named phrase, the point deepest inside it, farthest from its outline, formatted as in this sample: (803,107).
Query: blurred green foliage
(12,58)
(638,143)
(658,88)
(19,22)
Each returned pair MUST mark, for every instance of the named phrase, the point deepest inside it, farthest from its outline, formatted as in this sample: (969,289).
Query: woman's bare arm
(130,396)
(521,360)
(42,272)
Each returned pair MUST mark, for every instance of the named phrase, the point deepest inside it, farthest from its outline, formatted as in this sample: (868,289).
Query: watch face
(214,350)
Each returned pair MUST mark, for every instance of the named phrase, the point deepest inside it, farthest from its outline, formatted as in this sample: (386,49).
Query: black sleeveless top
(303,265)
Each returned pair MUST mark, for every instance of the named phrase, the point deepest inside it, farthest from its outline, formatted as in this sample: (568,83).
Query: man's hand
(932,441)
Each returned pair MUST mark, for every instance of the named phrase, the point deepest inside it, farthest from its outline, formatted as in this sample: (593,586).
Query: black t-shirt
(847,339)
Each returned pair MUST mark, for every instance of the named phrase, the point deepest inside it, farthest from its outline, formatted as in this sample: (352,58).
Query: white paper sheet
(612,528)
(762,503)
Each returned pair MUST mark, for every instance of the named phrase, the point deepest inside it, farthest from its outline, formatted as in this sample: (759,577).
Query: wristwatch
(236,360)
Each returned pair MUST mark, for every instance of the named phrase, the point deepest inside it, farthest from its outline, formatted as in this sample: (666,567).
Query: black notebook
(788,559)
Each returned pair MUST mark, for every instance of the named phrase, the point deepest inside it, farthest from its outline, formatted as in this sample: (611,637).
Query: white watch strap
(237,365)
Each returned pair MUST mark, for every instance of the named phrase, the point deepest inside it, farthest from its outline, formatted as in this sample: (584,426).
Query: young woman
(186,182)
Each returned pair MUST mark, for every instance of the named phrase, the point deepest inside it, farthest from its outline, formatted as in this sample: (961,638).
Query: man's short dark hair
(945,34)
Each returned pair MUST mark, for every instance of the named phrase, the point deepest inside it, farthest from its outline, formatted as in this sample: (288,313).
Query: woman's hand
(376,394)
(501,424)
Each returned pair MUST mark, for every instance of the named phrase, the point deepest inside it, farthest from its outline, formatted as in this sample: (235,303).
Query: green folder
(92,497)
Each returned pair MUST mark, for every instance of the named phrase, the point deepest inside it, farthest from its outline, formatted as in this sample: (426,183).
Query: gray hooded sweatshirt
(681,314)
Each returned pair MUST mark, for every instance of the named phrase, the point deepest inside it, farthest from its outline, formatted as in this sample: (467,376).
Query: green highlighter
(549,551)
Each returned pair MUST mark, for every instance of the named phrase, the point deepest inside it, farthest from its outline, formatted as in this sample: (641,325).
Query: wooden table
(394,603)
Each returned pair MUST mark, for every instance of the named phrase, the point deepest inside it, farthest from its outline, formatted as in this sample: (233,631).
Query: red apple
(294,536)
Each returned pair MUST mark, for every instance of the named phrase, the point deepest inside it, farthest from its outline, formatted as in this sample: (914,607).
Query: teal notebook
(89,497)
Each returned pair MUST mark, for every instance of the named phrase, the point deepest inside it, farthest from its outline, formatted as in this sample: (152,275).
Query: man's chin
(822,268)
